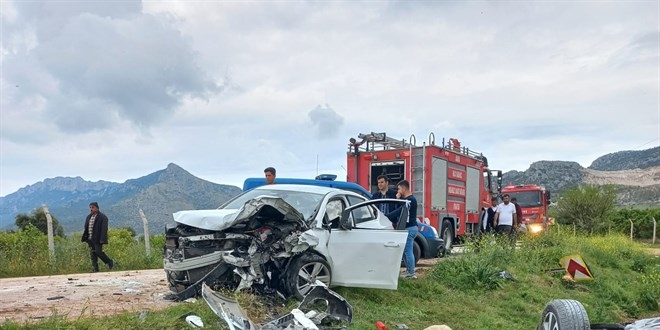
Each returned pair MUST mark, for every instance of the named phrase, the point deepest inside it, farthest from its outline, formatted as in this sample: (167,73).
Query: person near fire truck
(411,226)
(514,201)
(488,217)
(384,191)
(269,172)
(505,218)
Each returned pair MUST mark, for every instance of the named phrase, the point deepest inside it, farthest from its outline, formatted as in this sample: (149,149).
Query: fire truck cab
(450,182)
(533,201)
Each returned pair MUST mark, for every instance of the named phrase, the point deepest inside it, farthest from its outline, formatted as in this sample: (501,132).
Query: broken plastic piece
(194,321)
(334,309)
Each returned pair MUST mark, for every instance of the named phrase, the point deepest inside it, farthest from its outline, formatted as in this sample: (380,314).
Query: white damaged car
(283,238)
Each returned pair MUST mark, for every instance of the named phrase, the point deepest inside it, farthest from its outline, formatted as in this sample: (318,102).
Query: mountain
(159,194)
(635,174)
(627,160)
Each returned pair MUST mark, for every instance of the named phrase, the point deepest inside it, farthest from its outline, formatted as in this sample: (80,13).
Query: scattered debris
(117,294)
(438,327)
(190,300)
(194,321)
(142,315)
(55,298)
(321,308)
(402,326)
(506,275)
(72,279)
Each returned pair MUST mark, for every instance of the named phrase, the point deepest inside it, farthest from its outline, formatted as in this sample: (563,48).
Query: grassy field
(465,292)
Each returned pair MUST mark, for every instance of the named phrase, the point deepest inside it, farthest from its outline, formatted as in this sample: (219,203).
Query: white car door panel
(364,257)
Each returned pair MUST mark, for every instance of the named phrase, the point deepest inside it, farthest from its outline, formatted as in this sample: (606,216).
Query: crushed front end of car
(235,249)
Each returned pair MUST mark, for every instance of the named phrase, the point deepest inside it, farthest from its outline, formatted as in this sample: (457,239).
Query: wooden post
(574,229)
(145,224)
(631,229)
(653,229)
(51,239)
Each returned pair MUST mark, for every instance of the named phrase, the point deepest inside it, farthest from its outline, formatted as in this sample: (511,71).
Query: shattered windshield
(304,202)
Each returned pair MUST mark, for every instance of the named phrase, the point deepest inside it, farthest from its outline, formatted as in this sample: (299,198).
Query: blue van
(427,244)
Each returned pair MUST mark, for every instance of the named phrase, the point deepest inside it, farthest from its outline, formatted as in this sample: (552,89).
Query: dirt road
(76,295)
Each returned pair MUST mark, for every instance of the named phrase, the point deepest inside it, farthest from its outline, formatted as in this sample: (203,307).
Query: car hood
(221,219)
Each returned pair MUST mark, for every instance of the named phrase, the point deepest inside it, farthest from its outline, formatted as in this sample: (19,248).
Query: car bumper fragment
(337,311)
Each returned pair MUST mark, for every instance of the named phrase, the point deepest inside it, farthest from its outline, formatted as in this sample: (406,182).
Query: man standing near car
(411,226)
(505,218)
(269,173)
(384,191)
(95,234)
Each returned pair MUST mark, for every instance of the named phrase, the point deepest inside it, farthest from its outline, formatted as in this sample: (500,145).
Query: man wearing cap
(95,235)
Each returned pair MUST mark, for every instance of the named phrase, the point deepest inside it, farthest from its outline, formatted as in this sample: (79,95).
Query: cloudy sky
(117,90)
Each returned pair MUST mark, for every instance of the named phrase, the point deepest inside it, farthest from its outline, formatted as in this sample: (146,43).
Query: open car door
(367,257)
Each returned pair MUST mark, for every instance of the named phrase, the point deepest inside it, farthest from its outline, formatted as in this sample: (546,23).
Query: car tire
(447,235)
(417,252)
(564,314)
(303,273)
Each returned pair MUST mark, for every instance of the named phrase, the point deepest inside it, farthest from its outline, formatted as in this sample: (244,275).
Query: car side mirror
(547,197)
(345,221)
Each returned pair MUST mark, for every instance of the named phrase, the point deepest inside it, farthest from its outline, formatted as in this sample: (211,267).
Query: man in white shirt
(505,217)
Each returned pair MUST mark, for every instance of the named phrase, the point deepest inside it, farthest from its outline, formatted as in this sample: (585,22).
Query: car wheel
(303,273)
(417,252)
(564,314)
(447,235)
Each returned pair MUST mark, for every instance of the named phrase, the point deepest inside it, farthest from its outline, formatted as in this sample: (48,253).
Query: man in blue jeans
(411,226)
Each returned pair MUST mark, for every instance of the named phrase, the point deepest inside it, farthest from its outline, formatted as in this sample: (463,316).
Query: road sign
(576,267)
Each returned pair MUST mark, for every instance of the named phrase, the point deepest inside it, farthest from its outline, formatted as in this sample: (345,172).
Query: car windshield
(527,198)
(305,202)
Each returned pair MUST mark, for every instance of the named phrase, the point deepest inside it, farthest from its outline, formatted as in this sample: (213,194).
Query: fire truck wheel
(447,235)
(564,314)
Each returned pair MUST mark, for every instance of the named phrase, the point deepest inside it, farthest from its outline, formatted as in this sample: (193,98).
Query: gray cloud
(108,63)
(327,121)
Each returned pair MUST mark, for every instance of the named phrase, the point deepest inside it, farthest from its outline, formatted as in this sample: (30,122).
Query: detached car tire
(303,273)
(564,314)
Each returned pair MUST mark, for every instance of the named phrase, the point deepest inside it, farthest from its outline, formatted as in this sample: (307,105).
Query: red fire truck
(450,182)
(533,201)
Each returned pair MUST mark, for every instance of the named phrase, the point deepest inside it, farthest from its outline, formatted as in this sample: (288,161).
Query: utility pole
(145,224)
(51,239)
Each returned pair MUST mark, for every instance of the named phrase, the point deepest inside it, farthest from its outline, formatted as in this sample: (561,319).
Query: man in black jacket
(95,235)
(384,191)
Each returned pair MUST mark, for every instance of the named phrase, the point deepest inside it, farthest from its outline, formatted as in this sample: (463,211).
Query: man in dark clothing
(95,235)
(519,217)
(384,191)
(488,217)
(411,226)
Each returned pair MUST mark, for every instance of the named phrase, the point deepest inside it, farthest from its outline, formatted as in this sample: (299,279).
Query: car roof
(297,187)
(251,183)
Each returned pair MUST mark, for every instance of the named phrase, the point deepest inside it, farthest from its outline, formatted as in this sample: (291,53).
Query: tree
(38,219)
(590,208)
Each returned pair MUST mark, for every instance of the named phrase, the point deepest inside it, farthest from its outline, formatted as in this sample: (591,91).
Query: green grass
(465,292)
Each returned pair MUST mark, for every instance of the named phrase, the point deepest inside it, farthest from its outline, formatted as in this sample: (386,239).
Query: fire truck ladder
(380,141)
(418,172)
